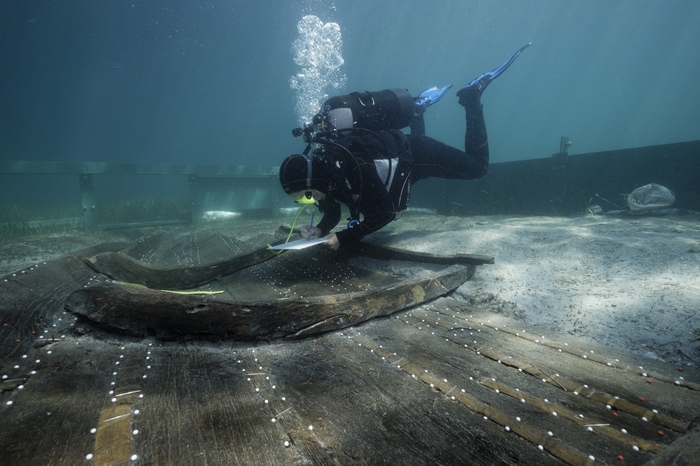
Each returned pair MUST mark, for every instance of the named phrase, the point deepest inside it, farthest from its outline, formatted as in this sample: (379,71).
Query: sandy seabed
(631,283)
(628,282)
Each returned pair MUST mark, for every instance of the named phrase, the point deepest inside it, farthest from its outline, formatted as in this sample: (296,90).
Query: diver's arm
(332,241)
(372,221)
(331,215)
(375,205)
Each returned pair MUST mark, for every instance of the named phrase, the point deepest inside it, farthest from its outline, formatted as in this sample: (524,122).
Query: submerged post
(557,177)
(88,201)
(195,199)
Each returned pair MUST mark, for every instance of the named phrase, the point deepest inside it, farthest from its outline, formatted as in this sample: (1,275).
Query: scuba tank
(374,111)
(369,123)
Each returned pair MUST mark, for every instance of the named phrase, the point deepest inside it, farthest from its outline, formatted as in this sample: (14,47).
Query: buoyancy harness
(364,125)
(389,151)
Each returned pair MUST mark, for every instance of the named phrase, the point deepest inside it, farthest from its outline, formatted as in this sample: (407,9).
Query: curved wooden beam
(142,312)
(120,266)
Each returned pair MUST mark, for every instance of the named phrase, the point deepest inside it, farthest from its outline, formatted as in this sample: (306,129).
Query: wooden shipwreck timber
(200,349)
(297,305)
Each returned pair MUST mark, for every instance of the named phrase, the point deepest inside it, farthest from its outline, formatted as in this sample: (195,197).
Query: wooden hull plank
(200,407)
(441,365)
(391,253)
(620,380)
(52,415)
(121,266)
(142,311)
(198,258)
(32,298)
(364,410)
(387,390)
(439,383)
(513,385)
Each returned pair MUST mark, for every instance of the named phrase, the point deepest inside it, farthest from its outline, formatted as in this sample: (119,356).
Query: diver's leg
(418,125)
(433,158)
(476,141)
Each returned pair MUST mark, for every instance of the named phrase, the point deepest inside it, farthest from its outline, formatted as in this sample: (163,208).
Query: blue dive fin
(482,81)
(430,96)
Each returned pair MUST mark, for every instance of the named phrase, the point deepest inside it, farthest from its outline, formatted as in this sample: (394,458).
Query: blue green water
(208,82)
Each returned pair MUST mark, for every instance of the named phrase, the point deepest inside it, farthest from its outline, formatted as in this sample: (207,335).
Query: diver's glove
(428,97)
(310,233)
(476,87)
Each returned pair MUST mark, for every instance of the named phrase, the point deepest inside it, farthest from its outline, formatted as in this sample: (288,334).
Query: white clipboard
(299,244)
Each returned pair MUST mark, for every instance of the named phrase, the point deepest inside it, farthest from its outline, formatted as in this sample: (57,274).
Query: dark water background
(184,81)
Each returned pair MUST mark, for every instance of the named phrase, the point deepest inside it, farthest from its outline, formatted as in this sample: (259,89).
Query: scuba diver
(362,158)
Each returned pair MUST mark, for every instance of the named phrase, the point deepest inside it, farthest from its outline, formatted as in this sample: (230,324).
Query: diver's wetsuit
(430,158)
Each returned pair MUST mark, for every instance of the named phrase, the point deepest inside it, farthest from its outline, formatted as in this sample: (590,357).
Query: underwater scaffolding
(561,184)
(212,193)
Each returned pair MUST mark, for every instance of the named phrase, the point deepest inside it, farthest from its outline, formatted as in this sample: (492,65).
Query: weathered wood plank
(31,298)
(613,373)
(50,418)
(388,252)
(493,358)
(129,265)
(205,404)
(120,266)
(365,410)
(497,391)
(388,390)
(144,311)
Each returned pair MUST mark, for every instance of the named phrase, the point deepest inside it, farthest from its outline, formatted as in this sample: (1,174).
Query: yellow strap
(137,285)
